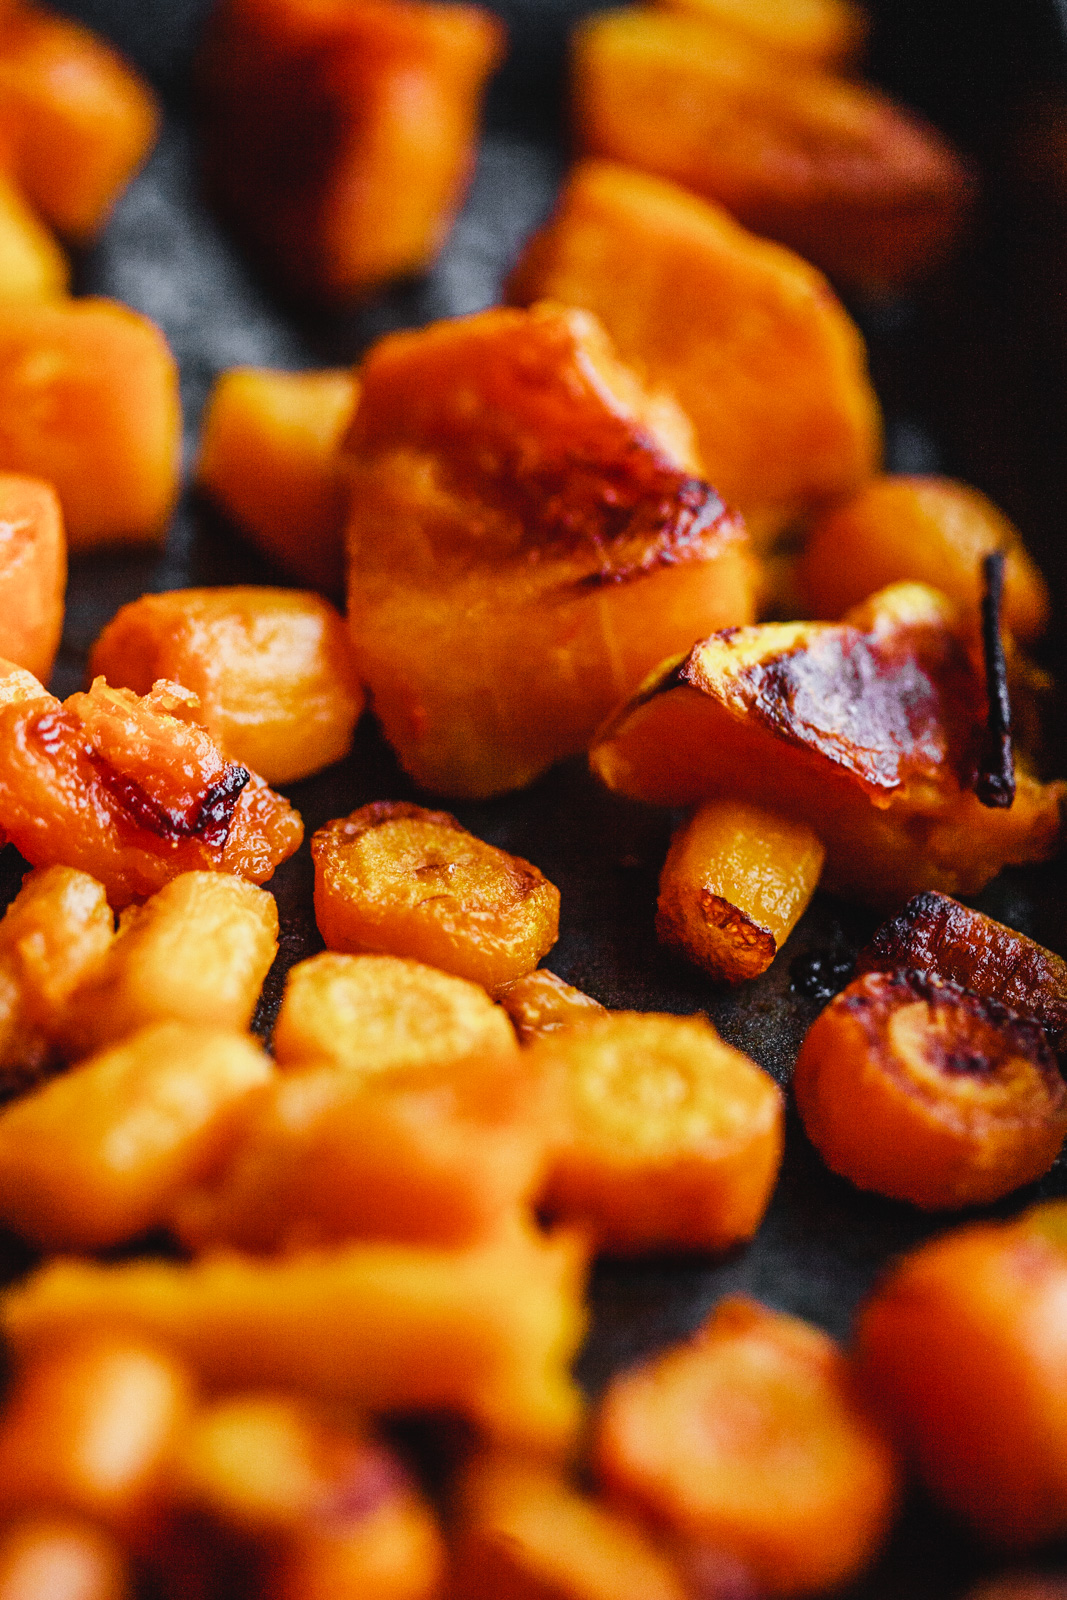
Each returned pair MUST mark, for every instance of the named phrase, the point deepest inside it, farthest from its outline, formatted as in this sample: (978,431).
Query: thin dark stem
(995,782)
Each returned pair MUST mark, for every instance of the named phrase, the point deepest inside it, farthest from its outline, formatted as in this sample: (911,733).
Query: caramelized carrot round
(917,1089)
(748,1440)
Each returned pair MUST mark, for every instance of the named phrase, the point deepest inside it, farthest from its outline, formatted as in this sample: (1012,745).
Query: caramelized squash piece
(540,1003)
(272,669)
(88,1429)
(525,1534)
(270,458)
(32,265)
(441,1157)
(89,401)
(866,730)
(488,1332)
(33,573)
(824,33)
(134,791)
(100,1154)
(512,481)
(668,1138)
(748,337)
(963,1348)
(75,120)
(372,1014)
(748,1439)
(54,936)
(48,1557)
(840,173)
(914,1088)
(341,137)
(197,952)
(17,686)
(926,530)
(736,881)
(935,934)
(398,878)
(338,1506)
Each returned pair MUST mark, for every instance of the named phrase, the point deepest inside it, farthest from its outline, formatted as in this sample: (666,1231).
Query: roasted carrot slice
(922,1091)
(824,33)
(541,1003)
(32,265)
(748,1439)
(50,1557)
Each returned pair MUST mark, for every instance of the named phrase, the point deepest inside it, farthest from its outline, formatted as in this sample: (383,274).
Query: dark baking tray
(973,376)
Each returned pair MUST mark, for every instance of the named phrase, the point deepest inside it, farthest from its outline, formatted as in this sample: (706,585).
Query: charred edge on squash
(994,784)
(208,818)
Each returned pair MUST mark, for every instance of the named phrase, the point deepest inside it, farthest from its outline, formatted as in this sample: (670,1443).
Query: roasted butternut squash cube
(55,935)
(917,1089)
(866,730)
(935,934)
(736,881)
(32,264)
(33,573)
(748,1439)
(49,1557)
(134,790)
(17,685)
(398,878)
(926,530)
(527,539)
(748,337)
(270,458)
(197,951)
(99,1154)
(824,33)
(488,1332)
(668,1138)
(525,1534)
(842,174)
(341,138)
(541,1003)
(443,1157)
(89,401)
(76,120)
(962,1348)
(88,1429)
(272,669)
(372,1014)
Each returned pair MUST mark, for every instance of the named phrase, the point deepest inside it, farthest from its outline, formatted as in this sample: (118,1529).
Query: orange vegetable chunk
(748,337)
(823,33)
(398,878)
(89,401)
(88,1430)
(540,1003)
(32,264)
(748,1439)
(487,1332)
(54,935)
(669,1138)
(370,1014)
(917,1089)
(341,137)
(17,685)
(33,573)
(934,933)
(735,883)
(528,538)
(272,669)
(927,530)
(441,1157)
(866,730)
(134,791)
(963,1348)
(270,458)
(846,177)
(53,1558)
(525,1534)
(197,951)
(100,1154)
(76,120)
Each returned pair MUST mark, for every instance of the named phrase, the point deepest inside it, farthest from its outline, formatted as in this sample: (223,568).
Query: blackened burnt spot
(213,819)
(208,818)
